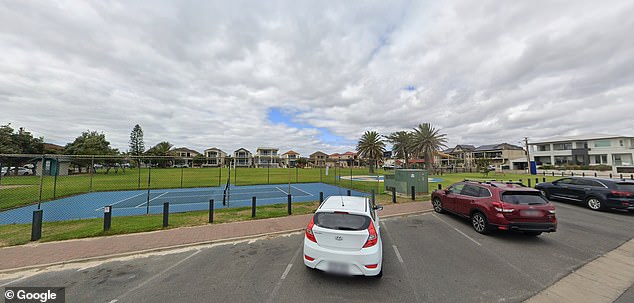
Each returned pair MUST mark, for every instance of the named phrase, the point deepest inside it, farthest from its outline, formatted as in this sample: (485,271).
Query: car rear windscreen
(626,186)
(341,221)
(523,197)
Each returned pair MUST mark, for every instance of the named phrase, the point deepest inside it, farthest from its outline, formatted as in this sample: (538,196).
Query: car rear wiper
(345,228)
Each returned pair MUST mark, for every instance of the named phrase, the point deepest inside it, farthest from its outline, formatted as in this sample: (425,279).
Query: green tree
(137,146)
(90,143)
(401,142)
(20,142)
(483,165)
(6,140)
(371,147)
(427,140)
(160,150)
(301,162)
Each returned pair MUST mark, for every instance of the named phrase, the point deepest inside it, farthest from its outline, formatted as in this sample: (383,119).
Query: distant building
(500,154)
(266,157)
(289,158)
(185,155)
(242,158)
(318,159)
(215,157)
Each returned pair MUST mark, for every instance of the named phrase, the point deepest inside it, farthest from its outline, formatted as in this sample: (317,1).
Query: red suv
(498,206)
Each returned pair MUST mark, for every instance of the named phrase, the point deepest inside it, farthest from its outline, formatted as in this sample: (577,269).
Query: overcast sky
(314,75)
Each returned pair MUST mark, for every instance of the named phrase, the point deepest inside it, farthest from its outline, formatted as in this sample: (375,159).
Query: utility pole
(528,155)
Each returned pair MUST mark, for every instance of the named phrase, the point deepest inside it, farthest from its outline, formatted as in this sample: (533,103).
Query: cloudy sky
(314,75)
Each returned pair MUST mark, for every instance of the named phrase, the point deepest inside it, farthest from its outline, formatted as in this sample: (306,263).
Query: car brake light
(309,230)
(499,207)
(309,258)
(372,238)
(621,193)
(372,265)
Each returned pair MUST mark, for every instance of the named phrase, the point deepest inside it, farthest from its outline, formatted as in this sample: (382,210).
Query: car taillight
(499,207)
(372,265)
(372,238)
(309,258)
(309,230)
(621,193)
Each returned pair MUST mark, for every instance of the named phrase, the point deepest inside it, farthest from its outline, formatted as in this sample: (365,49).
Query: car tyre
(594,203)
(379,275)
(533,233)
(437,204)
(479,222)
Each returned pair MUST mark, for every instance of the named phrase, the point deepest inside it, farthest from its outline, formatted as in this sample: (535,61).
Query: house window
(620,142)
(545,147)
(602,143)
(562,146)
(601,159)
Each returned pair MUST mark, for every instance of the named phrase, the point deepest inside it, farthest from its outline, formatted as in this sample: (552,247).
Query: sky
(315,75)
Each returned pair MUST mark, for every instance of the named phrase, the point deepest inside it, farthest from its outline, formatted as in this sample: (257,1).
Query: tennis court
(138,202)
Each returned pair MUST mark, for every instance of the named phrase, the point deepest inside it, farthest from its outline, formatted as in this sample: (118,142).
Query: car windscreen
(341,221)
(626,186)
(523,197)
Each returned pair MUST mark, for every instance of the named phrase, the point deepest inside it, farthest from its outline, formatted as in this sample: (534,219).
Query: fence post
(253,207)
(349,193)
(320,176)
(321,197)
(39,201)
(289,201)
(211,210)
(138,164)
(296,173)
(413,193)
(107,217)
(92,168)
(182,172)
(55,178)
(149,176)
(219,173)
(36,226)
(166,213)
(268,173)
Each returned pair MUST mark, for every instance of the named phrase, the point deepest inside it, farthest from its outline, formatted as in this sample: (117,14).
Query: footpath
(37,255)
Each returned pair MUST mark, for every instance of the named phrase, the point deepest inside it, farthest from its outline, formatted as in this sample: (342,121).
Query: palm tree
(371,146)
(160,150)
(426,140)
(401,142)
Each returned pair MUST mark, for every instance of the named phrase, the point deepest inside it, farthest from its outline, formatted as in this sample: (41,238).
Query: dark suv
(595,193)
(498,206)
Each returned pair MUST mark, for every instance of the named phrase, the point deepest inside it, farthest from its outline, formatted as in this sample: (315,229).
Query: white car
(21,171)
(344,237)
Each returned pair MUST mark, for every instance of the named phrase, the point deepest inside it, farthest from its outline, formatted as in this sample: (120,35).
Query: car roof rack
(493,182)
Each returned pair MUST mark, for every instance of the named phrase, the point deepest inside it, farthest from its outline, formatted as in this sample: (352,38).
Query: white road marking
(459,231)
(398,255)
(302,190)
(126,199)
(11,282)
(155,276)
(114,301)
(163,194)
(288,268)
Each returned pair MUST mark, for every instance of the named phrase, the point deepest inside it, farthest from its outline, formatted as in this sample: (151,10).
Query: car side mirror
(377,207)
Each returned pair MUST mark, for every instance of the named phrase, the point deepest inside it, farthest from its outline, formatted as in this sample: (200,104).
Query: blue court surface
(135,202)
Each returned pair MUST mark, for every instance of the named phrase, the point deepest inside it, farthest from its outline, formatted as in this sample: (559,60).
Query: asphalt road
(427,258)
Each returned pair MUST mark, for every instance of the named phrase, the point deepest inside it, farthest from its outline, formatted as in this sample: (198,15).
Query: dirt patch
(13,186)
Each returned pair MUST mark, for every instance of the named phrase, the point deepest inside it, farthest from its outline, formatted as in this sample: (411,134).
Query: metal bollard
(321,196)
(583,174)
(252,207)
(393,194)
(36,227)
(529,182)
(289,201)
(413,193)
(349,193)
(572,174)
(537,180)
(610,175)
(107,217)
(553,174)
(439,186)
(595,174)
(211,210)
(544,180)
(166,214)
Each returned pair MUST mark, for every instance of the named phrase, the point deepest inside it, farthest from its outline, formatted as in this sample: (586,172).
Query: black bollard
(321,196)
(544,180)
(595,174)
(211,211)
(439,186)
(610,175)
(166,214)
(537,180)
(252,207)
(583,174)
(529,182)
(413,193)
(107,217)
(621,176)
(349,193)
(393,194)
(36,227)
(289,210)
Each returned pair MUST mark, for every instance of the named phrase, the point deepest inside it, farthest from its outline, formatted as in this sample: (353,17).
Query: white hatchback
(344,237)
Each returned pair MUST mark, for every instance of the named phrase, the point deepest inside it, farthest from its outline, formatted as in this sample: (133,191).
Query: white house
(215,157)
(289,158)
(266,157)
(590,149)
(242,158)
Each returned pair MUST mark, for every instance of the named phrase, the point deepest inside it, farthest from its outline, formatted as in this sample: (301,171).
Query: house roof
(214,148)
(335,155)
(241,148)
(578,138)
(349,153)
(320,153)
(184,149)
(290,152)
(497,147)
(263,147)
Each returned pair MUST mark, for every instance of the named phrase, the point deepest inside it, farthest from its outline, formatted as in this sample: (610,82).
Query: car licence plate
(531,213)
(338,268)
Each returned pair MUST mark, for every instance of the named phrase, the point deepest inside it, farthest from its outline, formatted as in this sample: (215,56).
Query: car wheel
(533,233)
(379,275)
(479,222)
(437,205)
(594,203)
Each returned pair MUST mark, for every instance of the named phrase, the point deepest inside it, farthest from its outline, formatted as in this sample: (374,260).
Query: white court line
(459,231)
(163,194)
(126,199)
(281,190)
(398,255)
(302,190)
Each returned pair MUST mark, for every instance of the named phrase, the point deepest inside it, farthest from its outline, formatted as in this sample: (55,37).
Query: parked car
(498,206)
(183,165)
(344,237)
(22,171)
(595,193)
